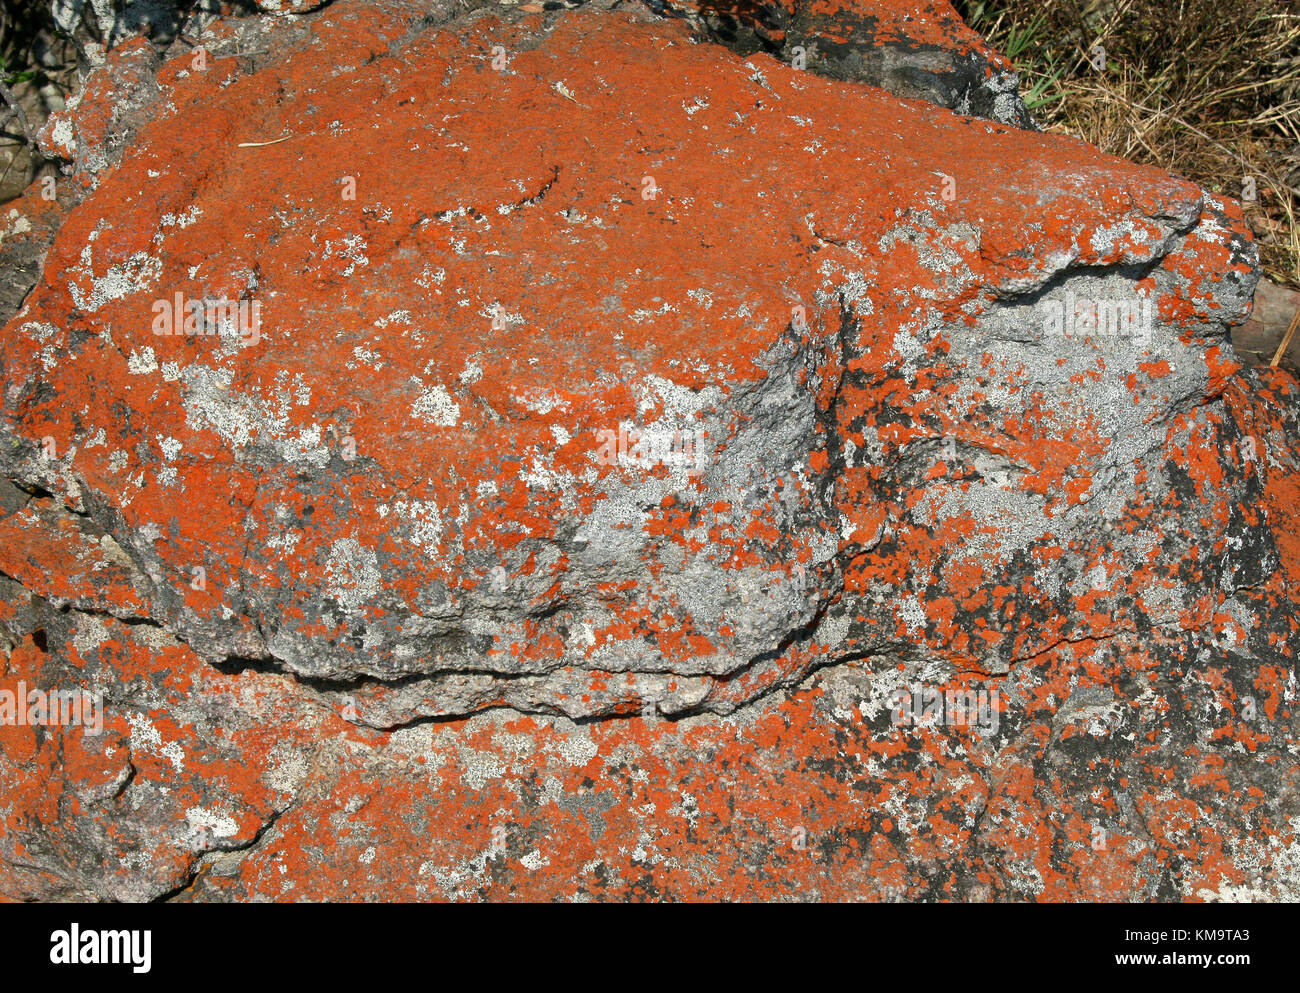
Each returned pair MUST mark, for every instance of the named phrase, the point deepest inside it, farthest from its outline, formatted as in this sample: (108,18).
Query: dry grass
(1207,89)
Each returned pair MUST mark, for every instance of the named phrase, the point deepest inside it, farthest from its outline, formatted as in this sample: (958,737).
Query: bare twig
(1286,340)
(17,109)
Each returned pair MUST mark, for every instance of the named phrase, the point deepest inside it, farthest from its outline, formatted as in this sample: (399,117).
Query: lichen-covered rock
(920,49)
(519,370)
(289,6)
(1109,777)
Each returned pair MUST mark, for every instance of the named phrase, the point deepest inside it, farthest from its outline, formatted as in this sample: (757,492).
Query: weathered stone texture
(382,606)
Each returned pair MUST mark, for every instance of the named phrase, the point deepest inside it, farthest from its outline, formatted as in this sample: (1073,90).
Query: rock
(566,369)
(285,7)
(27,228)
(921,51)
(468,518)
(1258,339)
(20,165)
(115,102)
(117,21)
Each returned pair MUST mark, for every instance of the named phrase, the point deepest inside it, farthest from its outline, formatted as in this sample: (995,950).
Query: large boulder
(548,368)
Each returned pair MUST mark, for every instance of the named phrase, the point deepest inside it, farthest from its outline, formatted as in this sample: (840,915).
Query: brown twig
(1286,339)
